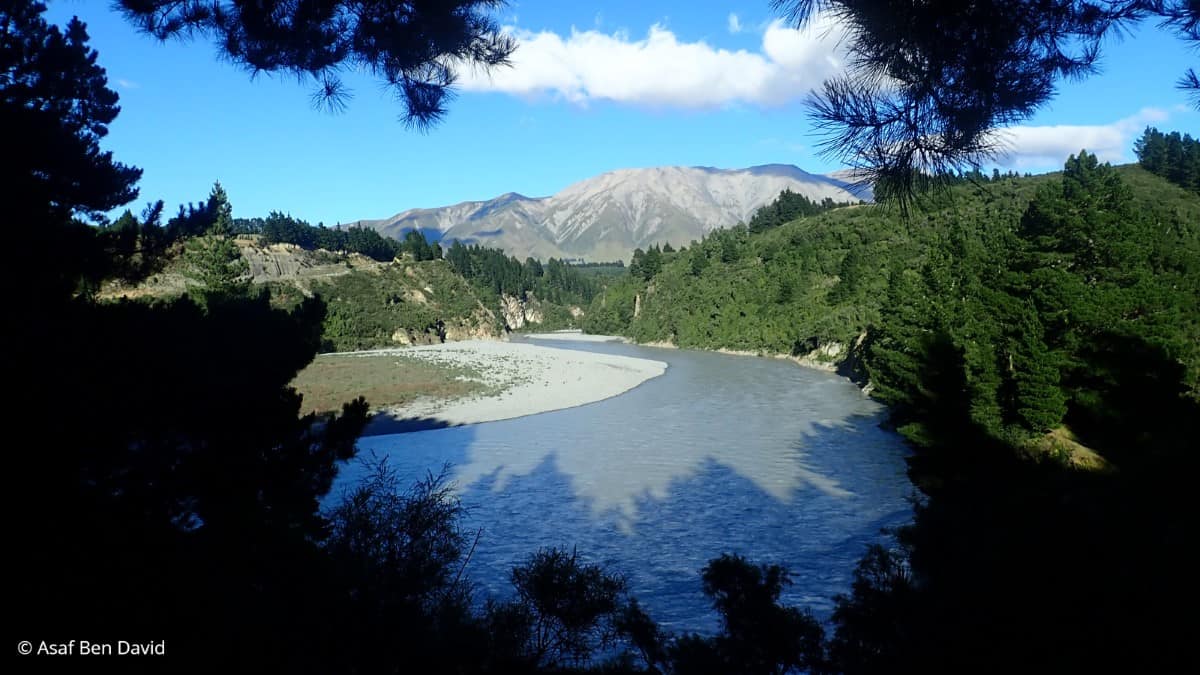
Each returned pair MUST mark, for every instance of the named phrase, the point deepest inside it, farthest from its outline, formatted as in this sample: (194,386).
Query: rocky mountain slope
(608,216)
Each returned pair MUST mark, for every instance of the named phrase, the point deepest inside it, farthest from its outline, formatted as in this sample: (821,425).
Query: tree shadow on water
(661,541)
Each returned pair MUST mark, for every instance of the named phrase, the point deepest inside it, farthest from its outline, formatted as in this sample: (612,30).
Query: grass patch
(332,379)
(1062,446)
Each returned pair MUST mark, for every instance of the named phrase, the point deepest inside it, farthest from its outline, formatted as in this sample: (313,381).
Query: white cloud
(128,84)
(1042,146)
(735,24)
(661,70)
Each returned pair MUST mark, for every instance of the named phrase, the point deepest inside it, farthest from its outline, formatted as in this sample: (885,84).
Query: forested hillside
(993,264)
(379,292)
(1174,156)
(1038,340)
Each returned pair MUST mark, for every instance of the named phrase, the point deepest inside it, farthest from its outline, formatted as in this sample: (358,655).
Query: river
(722,453)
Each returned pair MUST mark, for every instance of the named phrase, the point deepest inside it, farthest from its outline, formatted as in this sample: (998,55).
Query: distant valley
(608,216)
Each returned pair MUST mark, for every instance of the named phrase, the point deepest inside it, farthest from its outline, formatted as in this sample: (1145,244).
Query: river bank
(806,361)
(510,380)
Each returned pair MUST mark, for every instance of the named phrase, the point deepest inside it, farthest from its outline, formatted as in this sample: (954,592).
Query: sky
(593,87)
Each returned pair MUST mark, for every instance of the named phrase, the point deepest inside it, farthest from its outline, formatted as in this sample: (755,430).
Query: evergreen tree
(1151,151)
(221,211)
(1040,400)
(414,47)
(191,461)
(55,107)
(52,90)
(957,72)
(217,264)
(729,247)
(652,263)
(637,263)
(850,276)
(1173,156)
(699,261)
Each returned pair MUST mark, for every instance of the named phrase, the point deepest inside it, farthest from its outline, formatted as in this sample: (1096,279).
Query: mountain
(608,216)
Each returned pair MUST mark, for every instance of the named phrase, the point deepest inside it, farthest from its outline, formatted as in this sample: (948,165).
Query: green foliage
(788,207)
(494,272)
(190,485)
(564,610)
(851,273)
(759,636)
(278,228)
(217,264)
(366,308)
(404,45)
(396,555)
(220,209)
(957,73)
(192,220)
(984,312)
(871,633)
(646,264)
(55,107)
(699,260)
(600,269)
(1018,312)
(1173,156)
(766,292)
(611,312)
(54,93)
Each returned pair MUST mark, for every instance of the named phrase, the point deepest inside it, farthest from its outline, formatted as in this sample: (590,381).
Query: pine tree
(415,48)
(55,107)
(1039,397)
(217,264)
(729,247)
(699,261)
(636,264)
(651,263)
(957,71)
(220,210)
(850,275)
(52,90)
(1151,150)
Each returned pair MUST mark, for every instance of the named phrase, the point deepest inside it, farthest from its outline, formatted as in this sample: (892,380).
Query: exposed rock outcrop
(431,335)
(518,312)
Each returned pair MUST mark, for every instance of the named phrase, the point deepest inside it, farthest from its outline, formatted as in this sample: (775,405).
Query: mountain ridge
(607,216)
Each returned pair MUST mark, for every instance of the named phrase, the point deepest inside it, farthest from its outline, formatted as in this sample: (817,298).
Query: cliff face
(373,304)
(533,313)
(518,313)
(404,303)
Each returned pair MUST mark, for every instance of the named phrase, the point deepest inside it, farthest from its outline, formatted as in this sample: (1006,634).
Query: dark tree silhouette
(1173,156)
(182,494)
(55,107)
(52,91)
(564,612)
(928,83)
(414,47)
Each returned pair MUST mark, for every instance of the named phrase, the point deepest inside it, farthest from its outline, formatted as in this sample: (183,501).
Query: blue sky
(595,87)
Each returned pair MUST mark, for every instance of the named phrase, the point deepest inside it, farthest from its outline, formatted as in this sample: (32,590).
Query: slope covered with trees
(1173,156)
(278,228)
(491,268)
(1038,340)
(1114,246)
